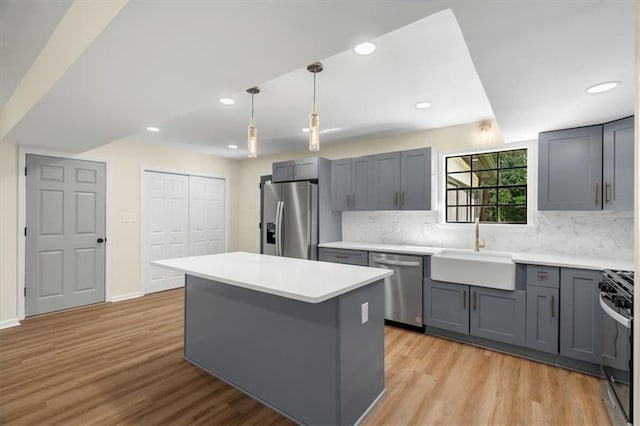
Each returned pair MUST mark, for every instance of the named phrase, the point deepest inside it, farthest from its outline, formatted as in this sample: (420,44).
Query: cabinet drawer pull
(542,276)
(606,192)
(464,299)
(341,256)
(553,308)
(595,194)
(474,301)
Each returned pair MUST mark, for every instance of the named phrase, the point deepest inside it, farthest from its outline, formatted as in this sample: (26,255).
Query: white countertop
(580,262)
(305,280)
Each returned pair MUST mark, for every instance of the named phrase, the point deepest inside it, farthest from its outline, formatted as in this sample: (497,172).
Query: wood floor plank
(121,363)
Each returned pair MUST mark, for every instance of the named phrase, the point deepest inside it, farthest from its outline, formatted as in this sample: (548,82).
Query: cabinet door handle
(464,299)
(606,192)
(595,194)
(553,307)
(402,198)
(474,301)
(395,198)
(348,201)
(294,170)
(353,201)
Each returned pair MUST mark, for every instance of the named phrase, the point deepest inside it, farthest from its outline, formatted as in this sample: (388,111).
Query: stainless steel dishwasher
(403,289)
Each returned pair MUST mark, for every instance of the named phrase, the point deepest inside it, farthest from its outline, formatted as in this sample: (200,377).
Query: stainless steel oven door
(616,350)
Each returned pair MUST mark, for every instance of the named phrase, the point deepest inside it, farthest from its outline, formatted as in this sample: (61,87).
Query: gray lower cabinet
(498,315)
(617,164)
(580,315)
(570,169)
(542,318)
(446,305)
(346,256)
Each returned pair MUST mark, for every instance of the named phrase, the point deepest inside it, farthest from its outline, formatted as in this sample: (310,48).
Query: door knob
(101,240)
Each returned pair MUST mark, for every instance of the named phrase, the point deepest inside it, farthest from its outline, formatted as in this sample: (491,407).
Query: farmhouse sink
(483,269)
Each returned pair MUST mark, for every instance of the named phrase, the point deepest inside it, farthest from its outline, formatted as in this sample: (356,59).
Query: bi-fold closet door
(182,216)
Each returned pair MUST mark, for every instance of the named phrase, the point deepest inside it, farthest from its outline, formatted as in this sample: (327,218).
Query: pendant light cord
(252,109)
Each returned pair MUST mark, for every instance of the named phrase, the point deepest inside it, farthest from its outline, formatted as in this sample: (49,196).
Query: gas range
(616,301)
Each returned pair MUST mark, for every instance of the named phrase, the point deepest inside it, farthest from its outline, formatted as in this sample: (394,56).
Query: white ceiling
(25,27)
(166,64)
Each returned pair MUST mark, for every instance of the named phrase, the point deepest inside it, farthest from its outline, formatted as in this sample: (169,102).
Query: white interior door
(165,224)
(206,215)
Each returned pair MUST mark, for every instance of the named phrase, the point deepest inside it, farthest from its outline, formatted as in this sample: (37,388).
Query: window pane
(513,214)
(485,161)
(452,197)
(517,158)
(458,214)
(515,195)
(487,213)
(485,178)
(459,164)
(464,197)
(513,177)
(459,180)
(484,196)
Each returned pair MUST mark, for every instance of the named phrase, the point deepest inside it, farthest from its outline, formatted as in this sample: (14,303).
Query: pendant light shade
(314,121)
(252,131)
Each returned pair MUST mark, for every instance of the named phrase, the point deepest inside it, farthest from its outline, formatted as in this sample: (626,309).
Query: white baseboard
(9,323)
(127,296)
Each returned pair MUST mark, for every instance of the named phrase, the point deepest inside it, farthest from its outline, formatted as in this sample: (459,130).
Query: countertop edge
(563,261)
(274,292)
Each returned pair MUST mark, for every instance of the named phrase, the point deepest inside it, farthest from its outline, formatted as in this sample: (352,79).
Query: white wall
(8,233)
(126,158)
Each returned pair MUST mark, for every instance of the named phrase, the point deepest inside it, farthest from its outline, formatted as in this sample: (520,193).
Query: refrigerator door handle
(279,229)
(277,233)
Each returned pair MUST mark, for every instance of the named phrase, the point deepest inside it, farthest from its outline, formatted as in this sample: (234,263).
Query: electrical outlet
(364,312)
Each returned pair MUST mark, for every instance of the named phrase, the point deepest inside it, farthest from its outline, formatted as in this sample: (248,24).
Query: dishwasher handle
(396,262)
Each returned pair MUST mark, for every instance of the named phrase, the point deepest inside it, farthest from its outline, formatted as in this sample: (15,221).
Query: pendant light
(252,132)
(314,122)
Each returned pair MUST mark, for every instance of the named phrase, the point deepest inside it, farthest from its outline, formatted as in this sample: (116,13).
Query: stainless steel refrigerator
(290,219)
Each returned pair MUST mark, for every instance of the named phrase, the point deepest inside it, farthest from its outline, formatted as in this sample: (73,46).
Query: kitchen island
(303,337)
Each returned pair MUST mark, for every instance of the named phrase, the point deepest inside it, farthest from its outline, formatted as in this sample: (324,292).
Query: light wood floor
(121,363)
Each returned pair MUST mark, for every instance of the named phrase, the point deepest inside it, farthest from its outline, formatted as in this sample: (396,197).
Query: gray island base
(315,363)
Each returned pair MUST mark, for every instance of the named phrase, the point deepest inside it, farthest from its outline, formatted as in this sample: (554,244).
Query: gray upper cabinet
(580,315)
(341,184)
(542,318)
(570,169)
(415,179)
(498,315)
(386,181)
(361,189)
(304,169)
(446,305)
(351,184)
(617,166)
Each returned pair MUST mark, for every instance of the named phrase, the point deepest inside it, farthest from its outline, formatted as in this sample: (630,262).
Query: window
(491,186)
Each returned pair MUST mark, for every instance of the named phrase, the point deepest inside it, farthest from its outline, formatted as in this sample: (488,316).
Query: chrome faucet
(478,243)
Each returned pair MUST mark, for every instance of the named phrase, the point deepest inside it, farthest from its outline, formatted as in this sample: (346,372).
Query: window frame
(469,206)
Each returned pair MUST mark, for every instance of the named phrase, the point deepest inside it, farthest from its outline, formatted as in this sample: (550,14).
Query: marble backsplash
(605,234)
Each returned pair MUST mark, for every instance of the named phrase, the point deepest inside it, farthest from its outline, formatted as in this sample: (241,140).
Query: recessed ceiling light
(423,105)
(232,146)
(227,101)
(365,48)
(153,129)
(603,87)
(305,129)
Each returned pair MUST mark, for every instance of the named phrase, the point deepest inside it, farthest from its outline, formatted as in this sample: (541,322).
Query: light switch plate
(364,312)
(128,218)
